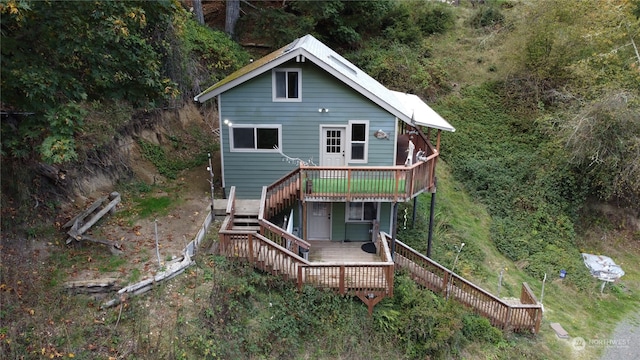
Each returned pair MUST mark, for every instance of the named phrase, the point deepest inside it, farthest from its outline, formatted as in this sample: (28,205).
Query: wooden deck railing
(366,183)
(354,183)
(270,200)
(268,251)
(524,317)
(281,195)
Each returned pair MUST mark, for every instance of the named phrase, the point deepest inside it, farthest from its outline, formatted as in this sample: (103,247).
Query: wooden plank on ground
(85,213)
(560,331)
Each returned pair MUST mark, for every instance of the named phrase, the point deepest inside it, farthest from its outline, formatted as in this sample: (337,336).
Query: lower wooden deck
(340,252)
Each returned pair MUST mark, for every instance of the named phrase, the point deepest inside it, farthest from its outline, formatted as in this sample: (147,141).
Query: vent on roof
(292,45)
(343,65)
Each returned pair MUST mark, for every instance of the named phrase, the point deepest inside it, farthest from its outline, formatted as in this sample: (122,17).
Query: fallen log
(172,269)
(92,286)
(85,213)
(113,246)
(77,229)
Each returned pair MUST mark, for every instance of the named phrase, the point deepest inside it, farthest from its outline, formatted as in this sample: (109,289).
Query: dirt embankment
(189,196)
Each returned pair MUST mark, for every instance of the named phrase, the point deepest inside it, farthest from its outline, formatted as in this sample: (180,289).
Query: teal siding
(385,217)
(353,231)
(251,103)
(347,231)
(343,231)
(337,222)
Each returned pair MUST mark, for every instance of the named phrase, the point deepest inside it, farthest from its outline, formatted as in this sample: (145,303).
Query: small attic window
(343,65)
(287,84)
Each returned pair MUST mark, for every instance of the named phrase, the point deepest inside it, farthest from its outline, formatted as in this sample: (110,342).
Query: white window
(263,138)
(362,211)
(287,85)
(358,141)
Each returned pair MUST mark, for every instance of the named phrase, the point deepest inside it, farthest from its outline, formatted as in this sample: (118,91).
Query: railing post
(445,283)
(299,277)
(536,327)
(250,238)
(341,281)
(390,274)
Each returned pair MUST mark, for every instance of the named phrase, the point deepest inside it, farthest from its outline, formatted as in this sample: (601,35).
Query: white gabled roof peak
(406,107)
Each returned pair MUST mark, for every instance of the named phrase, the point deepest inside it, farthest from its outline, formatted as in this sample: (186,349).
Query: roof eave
(221,86)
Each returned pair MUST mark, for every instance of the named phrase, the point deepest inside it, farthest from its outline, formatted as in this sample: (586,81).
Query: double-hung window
(262,138)
(362,211)
(358,141)
(287,85)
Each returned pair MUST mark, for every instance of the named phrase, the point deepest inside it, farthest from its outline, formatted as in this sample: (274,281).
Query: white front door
(319,221)
(332,146)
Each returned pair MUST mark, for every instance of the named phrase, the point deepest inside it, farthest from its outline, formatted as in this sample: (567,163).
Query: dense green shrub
(487,16)
(217,55)
(403,67)
(479,329)
(410,21)
(421,322)
(56,55)
(533,200)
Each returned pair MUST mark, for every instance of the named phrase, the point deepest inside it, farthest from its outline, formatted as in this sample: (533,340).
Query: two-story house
(306,109)
(327,153)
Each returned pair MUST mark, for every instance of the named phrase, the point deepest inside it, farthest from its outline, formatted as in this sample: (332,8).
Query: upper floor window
(358,143)
(255,137)
(287,85)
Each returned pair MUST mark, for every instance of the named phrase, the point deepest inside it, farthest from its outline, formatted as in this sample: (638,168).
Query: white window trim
(232,147)
(273,85)
(366,142)
(361,221)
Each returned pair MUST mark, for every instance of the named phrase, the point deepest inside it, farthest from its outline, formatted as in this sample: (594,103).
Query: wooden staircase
(246,216)
(245,234)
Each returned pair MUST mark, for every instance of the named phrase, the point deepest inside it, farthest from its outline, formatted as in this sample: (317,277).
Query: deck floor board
(334,251)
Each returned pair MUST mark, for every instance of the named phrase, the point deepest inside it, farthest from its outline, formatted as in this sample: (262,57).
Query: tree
(56,55)
(232,16)
(603,141)
(197,10)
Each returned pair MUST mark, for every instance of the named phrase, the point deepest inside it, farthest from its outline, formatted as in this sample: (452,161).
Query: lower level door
(319,221)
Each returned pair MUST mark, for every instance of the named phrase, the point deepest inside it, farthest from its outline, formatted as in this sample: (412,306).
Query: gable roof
(408,108)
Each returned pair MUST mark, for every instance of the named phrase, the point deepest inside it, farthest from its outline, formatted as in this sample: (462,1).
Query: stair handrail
(266,225)
(533,311)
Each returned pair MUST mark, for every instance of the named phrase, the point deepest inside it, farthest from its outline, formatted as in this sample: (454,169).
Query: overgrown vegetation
(555,125)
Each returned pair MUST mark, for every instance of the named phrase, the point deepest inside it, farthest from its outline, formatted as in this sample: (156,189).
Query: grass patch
(146,207)
(357,186)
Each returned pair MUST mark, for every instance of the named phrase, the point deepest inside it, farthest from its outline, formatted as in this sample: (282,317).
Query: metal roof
(407,107)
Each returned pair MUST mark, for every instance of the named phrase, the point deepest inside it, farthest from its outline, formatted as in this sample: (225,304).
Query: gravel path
(624,343)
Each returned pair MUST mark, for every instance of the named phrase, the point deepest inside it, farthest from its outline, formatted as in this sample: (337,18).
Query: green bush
(510,165)
(479,329)
(487,16)
(403,68)
(218,54)
(410,21)
(421,322)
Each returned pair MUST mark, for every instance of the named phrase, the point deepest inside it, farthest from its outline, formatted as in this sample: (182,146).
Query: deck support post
(413,213)
(370,301)
(431,216)
(394,230)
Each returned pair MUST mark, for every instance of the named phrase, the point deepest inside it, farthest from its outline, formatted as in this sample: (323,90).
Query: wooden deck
(338,252)
(347,269)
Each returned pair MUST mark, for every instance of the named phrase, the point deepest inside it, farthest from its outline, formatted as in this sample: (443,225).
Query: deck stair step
(246,228)
(245,221)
